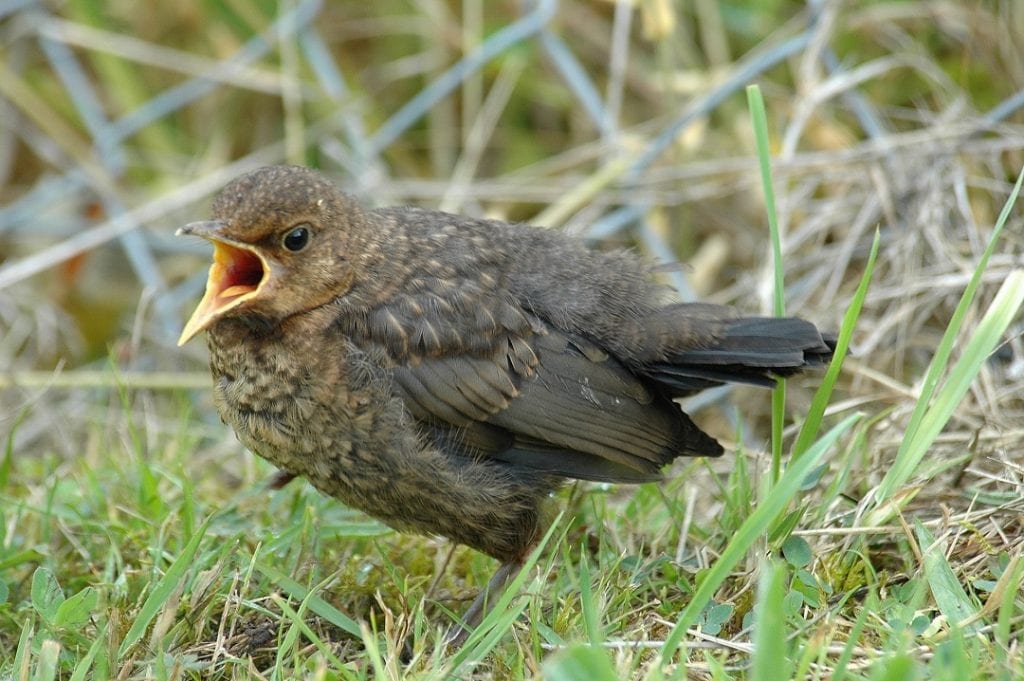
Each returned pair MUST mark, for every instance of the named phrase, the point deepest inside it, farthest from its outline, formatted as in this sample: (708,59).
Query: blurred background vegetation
(492,108)
(622,122)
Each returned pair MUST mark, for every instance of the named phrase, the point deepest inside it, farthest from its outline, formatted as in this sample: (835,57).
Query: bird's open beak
(237,274)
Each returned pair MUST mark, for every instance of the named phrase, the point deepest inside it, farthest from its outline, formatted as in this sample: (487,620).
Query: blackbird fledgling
(444,374)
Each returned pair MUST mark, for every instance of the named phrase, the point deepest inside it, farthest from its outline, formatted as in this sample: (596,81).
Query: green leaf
(357,527)
(987,585)
(900,667)
(77,609)
(715,617)
(20,558)
(46,594)
(792,603)
(919,624)
(580,662)
(1004,598)
(797,551)
(952,660)
(783,527)
(807,579)
(807,586)
(719,614)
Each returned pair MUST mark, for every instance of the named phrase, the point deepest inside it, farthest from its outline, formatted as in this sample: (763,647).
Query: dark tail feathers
(755,350)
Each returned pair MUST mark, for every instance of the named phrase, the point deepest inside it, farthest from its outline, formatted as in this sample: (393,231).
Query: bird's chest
(289,407)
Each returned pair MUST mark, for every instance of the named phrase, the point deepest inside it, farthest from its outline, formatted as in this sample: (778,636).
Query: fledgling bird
(445,374)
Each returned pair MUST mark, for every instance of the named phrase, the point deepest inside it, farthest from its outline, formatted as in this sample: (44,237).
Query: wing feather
(551,402)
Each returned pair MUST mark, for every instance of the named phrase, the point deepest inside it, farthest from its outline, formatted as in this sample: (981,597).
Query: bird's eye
(296,239)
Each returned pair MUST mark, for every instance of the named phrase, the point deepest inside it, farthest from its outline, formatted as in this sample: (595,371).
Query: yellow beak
(237,275)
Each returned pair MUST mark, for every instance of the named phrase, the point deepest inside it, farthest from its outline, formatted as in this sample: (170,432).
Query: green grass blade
(85,664)
(373,652)
(163,590)
(953,659)
(812,422)
(315,603)
(299,626)
(754,526)
(506,609)
(911,450)
(949,595)
(759,119)
(839,671)
(23,655)
(49,657)
(933,419)
(770,661)
(591,617)
(8,460)
(1010,585)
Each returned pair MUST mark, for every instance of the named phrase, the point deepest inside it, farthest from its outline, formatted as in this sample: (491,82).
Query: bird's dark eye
(296,239)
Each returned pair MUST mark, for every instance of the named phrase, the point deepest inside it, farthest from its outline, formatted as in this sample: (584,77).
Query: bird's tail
(754,350)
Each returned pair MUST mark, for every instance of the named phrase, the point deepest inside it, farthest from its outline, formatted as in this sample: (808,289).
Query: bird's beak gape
(237,274)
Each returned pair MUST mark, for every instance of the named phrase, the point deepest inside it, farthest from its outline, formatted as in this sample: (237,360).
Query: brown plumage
(444,374)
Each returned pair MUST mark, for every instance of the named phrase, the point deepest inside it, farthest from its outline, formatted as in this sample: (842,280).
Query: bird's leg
(460,631)
(440,572)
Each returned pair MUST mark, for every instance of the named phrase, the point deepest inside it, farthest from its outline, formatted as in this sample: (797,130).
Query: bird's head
(280,236)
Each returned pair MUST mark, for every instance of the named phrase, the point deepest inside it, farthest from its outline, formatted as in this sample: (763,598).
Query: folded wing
(555,403)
